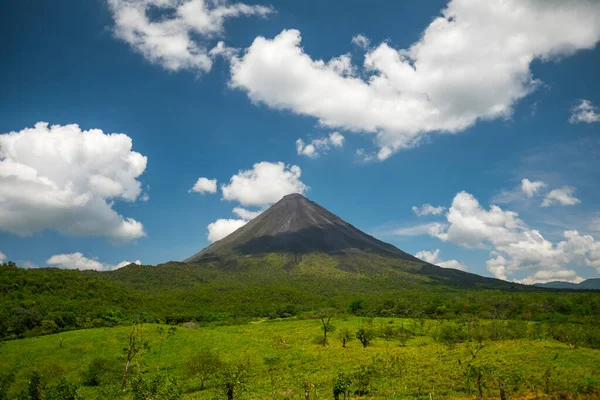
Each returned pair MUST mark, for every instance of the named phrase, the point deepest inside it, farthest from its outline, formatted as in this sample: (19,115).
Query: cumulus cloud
(66,179)
(471,63)
(319,146)
(530,188)
(261,186)
(205,185)
(584,112)
(2,257)
(428,209)
(264,184)
(563,196)
(79,261)
(245,214)
(175,39)
(470,225)
(361,41)
(222,227)
(515,247)
(433,257)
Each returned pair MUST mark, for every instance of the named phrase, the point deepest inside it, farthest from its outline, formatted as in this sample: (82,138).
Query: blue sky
(450,104)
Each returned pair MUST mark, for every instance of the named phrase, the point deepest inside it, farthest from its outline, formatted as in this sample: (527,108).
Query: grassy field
(283,357)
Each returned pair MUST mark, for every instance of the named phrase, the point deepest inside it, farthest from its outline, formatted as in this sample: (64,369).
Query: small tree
(345,335)
(388,333)
(365,336)
(203,365)
(232,378)
(341,385)
(326,326)
(362,380)
(136,346)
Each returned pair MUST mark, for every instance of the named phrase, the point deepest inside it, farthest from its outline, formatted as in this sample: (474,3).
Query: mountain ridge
(588,284)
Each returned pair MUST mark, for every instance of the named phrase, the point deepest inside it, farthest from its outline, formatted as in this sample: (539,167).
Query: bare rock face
(297,225)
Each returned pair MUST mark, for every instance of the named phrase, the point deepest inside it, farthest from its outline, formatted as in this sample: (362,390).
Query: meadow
(287,359)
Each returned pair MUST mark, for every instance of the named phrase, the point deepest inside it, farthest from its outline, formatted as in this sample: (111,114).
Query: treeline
(44,301)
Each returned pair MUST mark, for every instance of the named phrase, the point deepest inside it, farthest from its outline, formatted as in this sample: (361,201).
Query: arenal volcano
(297,227)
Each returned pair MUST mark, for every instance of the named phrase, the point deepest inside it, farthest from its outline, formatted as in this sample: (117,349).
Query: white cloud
(66,179)
(336,139)
(417,230)
(472,63)
(471,225)
(245,214)
(264,184)
(516,248)
(2,257)
(585,112)
(563,196)
(319,146)
(222,227)
(205,185)
(175,39)
(433,257)
(361,41)
(428,209)
(78,261)
(530,188)
(28,265)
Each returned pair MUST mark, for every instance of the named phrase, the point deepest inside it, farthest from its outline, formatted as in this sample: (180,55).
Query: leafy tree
(365,336)
(232,378)
(341,385)
(356,305)
(345,335)
(203,365)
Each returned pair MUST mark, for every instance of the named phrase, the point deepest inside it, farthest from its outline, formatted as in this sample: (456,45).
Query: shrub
(101,372)
(341,385)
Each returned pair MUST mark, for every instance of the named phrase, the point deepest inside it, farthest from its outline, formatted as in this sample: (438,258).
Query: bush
(450,334)
(62,391)
(6,381)
(101,372)
(341,385)
(157,388)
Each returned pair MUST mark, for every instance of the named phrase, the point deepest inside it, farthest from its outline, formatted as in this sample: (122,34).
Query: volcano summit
(297,225)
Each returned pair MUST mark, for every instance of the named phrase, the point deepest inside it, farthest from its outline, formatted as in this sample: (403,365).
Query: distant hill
(302,232)
(588,284)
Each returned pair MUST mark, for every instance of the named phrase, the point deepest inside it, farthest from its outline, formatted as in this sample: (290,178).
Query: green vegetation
(314,326)
(279,359)
(46,301)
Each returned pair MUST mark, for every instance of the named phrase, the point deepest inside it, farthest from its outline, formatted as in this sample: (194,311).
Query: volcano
(298,225)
